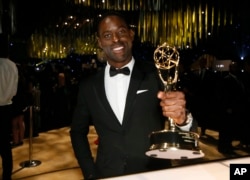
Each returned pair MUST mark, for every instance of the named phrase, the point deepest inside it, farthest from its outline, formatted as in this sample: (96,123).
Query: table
(216,170)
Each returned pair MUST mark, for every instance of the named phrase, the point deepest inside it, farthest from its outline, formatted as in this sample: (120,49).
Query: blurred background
(47,30)
(54,45)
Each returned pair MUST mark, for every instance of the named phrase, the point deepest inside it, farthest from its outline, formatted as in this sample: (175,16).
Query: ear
(132,34)
(99,42)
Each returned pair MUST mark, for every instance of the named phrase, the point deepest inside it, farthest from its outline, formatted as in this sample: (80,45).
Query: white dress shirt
(8,81)
(116,89)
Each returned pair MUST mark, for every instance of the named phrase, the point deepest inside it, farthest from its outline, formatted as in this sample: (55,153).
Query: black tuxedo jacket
(122,147)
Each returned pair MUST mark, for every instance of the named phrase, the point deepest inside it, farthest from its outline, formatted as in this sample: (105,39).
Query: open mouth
(118,49)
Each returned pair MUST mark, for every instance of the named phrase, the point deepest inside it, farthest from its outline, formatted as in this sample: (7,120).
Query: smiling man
(125,103)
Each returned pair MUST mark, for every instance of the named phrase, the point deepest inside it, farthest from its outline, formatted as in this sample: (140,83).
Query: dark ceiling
(37,14)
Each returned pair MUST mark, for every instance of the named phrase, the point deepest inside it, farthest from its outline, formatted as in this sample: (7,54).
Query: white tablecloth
(217,170)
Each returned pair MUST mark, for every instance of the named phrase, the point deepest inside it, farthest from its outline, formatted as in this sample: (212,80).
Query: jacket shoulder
(145,66)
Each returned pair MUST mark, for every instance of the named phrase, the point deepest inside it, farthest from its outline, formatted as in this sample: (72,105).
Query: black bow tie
(113,71)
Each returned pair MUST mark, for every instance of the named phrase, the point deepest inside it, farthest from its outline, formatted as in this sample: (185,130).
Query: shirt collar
(130,65)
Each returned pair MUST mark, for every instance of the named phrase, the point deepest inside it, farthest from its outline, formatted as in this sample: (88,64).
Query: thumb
(161,95)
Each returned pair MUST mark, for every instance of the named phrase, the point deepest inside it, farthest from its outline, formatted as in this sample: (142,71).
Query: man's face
(115,39)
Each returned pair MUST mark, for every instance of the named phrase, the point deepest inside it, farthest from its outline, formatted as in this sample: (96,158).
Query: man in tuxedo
(124,108)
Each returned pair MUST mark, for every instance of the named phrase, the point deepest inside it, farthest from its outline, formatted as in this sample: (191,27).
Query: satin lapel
(99,90)
(136,79)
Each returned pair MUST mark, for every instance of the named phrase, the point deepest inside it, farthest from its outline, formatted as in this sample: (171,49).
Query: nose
(115,37)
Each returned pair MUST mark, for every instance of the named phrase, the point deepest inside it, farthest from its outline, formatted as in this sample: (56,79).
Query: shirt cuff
(188,125)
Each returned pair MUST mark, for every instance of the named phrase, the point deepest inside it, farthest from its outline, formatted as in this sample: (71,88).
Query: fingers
(175,98)
(178,114)
(173,105)
(171,94)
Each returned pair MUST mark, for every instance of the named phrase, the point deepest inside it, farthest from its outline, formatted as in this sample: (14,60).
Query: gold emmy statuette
(171,143)
(166,60)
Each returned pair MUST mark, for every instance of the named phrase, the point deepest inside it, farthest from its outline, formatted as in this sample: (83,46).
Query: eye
(122,31)
(107,35)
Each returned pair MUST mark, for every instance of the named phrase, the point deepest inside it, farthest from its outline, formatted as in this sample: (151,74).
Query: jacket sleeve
(78,134)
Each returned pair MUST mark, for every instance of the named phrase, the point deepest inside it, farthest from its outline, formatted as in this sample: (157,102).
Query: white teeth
(118,48)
